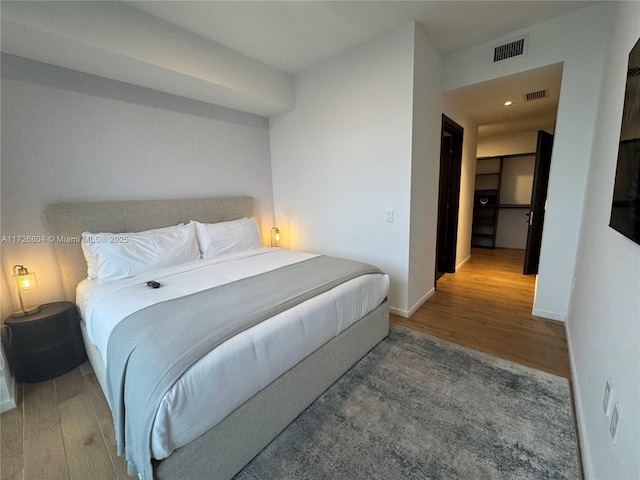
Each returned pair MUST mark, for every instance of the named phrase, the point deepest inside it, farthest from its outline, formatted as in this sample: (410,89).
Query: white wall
(512,228)
(579,40)
(69,136)
(603,324)
(425,171)
(467,180)
(517,180)
(515,189)
(343,156)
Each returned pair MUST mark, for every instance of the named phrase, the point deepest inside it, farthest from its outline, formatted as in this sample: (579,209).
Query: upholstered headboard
(69,220)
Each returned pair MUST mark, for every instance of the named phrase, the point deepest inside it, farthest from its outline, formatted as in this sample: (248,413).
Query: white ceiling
(295,35)
(484,102)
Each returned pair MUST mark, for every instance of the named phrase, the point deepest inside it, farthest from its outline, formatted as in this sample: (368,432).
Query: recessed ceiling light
(507,103)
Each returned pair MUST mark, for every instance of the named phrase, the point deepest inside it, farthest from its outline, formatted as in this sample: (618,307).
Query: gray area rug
(419,407)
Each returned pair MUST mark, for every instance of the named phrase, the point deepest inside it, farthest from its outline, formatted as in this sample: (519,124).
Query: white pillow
(90,251)
(217,239)
(113,256)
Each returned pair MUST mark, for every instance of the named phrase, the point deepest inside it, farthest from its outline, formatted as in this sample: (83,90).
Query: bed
(250,423)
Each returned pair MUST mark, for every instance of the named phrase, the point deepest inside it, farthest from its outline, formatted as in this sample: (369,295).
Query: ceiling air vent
(509,50)
(535,95)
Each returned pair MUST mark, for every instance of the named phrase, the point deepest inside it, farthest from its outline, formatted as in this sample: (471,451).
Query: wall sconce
(25,281)
(275,237)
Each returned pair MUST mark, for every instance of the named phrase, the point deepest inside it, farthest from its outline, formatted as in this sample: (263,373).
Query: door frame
(448,199)
(544,151)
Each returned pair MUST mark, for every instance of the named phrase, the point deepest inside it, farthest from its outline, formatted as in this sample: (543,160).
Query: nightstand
(46,344)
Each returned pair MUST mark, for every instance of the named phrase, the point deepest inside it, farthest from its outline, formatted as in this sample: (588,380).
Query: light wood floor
(62,428)
(486,305)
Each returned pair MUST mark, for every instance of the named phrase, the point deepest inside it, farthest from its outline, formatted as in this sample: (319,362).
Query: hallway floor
(486,305)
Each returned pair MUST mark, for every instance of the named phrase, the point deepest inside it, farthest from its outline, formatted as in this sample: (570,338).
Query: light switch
(389,215)
(606,400)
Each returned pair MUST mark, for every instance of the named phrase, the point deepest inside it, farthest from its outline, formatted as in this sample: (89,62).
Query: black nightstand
(46,344)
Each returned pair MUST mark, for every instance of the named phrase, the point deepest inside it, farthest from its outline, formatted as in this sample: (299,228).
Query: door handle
(530,215)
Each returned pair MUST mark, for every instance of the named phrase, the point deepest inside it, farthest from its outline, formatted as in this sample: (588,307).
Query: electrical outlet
(606,401)
(615,422)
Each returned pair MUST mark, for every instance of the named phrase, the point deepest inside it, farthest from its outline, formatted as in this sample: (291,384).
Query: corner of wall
(425,165)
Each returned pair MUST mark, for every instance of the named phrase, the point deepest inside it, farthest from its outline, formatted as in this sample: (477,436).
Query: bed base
(222,452)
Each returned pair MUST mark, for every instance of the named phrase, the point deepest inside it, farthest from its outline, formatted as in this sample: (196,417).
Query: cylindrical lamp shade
(275,237)
(25,282)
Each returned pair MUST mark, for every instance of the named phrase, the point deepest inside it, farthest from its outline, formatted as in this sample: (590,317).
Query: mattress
(233,372)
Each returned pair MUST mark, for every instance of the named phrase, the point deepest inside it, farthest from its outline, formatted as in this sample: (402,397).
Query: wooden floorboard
(11,435)
(44,455)
(86,451)
(55,433)
(62,429)
(105,421)
(486,305)
(69,385)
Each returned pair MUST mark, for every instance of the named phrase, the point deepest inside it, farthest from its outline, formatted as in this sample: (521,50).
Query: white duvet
(236,370)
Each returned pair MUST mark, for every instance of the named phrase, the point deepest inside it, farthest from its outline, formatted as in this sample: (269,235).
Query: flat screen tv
(625,211)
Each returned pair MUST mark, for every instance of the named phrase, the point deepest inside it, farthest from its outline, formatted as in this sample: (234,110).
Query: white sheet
(236,370)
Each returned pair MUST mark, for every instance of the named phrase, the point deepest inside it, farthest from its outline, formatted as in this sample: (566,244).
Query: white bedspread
(236,370)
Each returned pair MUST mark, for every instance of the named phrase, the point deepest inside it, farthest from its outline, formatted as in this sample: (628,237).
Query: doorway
(448,196)
(510,198)
(508,112)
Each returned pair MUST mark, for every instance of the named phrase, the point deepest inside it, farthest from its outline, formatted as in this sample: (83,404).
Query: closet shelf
(515,205)
(485,203)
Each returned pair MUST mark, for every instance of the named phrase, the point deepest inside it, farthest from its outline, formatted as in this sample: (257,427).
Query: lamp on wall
(25,281)
(275,237)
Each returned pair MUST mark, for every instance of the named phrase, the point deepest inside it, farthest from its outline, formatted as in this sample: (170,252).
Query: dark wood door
(448,196)
(538,201)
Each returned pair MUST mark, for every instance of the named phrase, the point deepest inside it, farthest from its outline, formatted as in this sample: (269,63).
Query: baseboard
(461,264)
(400,313)
(549,315)
(416,306)
(585,455)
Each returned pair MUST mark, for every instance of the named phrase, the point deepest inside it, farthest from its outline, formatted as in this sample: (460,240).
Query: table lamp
(275,237)
(25,281)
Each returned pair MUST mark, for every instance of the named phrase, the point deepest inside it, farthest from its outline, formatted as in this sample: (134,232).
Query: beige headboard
(69,220)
